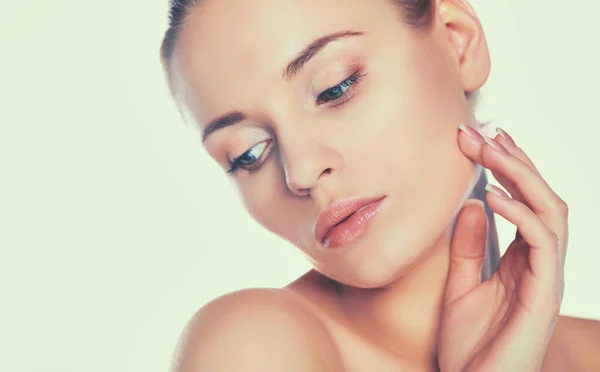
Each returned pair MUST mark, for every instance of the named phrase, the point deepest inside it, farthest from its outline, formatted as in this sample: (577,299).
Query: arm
(575,346)
(256,330)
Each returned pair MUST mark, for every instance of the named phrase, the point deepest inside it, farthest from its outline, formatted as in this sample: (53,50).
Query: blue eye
(249,160)
(339,91)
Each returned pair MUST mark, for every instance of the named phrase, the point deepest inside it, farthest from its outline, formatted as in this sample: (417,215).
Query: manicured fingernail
(472,133)
(506,136)
(496,191)
(496,146)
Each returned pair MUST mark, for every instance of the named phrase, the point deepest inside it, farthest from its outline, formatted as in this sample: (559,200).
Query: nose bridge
(307,158)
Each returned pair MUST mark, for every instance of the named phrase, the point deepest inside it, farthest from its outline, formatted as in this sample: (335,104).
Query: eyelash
(236,163)
(349,83)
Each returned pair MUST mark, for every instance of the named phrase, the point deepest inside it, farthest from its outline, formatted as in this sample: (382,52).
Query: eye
(338,92)
(250,160)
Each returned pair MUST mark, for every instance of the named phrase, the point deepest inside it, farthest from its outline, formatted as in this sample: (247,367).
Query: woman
(348,128)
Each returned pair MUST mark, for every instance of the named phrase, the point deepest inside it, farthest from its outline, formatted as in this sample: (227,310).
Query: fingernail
(496,146)
(496,191)
(505,135)
(472,133)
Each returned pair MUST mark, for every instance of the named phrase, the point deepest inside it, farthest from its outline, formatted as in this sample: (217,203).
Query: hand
(504,323)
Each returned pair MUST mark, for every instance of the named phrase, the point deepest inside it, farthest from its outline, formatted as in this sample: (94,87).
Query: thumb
(467,251)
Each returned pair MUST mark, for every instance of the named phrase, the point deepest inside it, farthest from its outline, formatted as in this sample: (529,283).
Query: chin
(382,259)
(393,246)
(401,237)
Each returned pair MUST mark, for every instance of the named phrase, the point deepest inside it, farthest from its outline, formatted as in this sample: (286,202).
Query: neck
(404,316)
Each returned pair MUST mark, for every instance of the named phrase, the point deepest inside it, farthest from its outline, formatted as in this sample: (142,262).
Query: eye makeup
(335,77)
(251,159)
(342,92)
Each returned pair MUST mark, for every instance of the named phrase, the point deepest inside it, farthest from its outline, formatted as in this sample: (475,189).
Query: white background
(114,225)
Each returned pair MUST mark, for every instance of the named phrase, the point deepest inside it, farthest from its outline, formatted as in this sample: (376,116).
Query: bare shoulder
(256,330)
(575,346)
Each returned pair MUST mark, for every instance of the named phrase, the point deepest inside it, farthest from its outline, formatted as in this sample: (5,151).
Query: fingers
(542,240)
(554,212)
(515,171)
(467,251)
(509,144)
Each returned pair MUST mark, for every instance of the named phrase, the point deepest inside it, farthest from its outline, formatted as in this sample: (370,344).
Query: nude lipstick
(346,221)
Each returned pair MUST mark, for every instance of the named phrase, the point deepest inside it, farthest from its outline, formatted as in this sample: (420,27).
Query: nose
(308,164)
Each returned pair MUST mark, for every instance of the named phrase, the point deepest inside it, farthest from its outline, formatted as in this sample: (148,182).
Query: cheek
(412,141)
(268,201)
(262,199)
(421,84)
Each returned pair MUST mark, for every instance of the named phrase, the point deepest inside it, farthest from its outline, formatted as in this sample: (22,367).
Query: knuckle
(554,300)
(553,239)
(562,207)
(553,304)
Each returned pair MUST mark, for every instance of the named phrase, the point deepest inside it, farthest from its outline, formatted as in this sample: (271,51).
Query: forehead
(244,44)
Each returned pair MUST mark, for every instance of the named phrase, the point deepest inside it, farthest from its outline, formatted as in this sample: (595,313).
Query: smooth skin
(502,324)
(404,297)
(505,322)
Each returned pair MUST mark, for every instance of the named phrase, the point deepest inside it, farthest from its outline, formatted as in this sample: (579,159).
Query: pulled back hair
(416,14)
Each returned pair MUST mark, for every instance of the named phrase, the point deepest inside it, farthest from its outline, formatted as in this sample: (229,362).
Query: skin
(395,299)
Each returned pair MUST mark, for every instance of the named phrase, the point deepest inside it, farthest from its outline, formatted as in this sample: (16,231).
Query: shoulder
(574,346)
(256,330)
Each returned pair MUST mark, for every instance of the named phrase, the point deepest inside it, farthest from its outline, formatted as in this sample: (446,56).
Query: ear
(466,41)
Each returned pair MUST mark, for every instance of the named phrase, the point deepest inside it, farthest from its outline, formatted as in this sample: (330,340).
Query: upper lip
(338,212)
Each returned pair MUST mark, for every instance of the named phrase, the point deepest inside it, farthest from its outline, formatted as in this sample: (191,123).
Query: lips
(345,220)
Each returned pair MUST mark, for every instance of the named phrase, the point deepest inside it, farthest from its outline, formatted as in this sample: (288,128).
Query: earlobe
(466,40)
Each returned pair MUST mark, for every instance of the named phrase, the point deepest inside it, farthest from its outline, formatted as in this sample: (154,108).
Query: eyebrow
(312,49)
(289,72)
(223,122)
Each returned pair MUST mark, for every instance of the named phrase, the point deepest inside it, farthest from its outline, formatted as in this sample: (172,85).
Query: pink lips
(346,221)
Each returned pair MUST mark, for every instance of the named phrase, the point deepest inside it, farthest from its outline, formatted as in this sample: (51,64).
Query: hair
(416,14)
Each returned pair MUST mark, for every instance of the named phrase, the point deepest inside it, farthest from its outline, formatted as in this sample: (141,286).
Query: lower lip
(353,228)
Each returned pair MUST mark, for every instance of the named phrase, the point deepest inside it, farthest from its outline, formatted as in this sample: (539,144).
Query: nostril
(327,171)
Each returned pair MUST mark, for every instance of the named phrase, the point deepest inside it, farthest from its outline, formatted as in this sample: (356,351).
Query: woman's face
(372,113)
